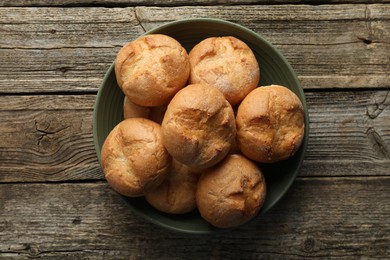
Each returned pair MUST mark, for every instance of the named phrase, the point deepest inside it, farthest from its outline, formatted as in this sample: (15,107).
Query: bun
(134,159)
(176,195)
(151,69)
(270,124)
(131,110)
(226,63)
(198,128)
(231,193)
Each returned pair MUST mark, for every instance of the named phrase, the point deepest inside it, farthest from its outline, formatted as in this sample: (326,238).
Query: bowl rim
(301,97)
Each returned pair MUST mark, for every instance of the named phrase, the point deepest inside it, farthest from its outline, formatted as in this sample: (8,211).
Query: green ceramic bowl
(274,69)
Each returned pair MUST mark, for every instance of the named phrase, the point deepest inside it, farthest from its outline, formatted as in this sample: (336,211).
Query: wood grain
(70,52)
(79,70)
(329,46)
(49,138)
(53,28)
(349,131)
(111,3)
(319,217)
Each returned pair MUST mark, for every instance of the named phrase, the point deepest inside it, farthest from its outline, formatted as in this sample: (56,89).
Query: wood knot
(379,104)
(42,132)
(378,143)
(308,245)
(32,249)
(76,220)
(45,128)
(365,40)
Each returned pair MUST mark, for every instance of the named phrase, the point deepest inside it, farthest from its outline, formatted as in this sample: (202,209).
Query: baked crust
(134,159)
(231,193)
(151,69)
(130,109)
(176,195)
(226,63)
(270,124)
(198,128)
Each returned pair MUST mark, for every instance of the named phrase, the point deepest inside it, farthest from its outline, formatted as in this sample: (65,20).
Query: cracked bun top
(151,69)
(231,193)
(199,127)
(134,159)
(226,63)
(270,124)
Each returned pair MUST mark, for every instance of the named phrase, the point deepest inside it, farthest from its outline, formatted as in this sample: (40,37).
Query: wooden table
(54,201)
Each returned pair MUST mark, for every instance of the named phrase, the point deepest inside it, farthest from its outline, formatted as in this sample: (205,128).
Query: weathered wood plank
(68,52)
(349,130)
(49,138)
(319,217)
(111,3)
(54,70)
(289,24)
(48,28)
(329,46)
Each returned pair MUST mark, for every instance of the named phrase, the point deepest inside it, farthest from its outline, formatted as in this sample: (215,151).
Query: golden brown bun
(226,63)
(176,195)
(270,124)
(131,110)
(151,69)
(231,193)
(199,126)
(133,157)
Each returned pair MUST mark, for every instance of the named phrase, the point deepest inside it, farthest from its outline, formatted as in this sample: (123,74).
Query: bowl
(274,69)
